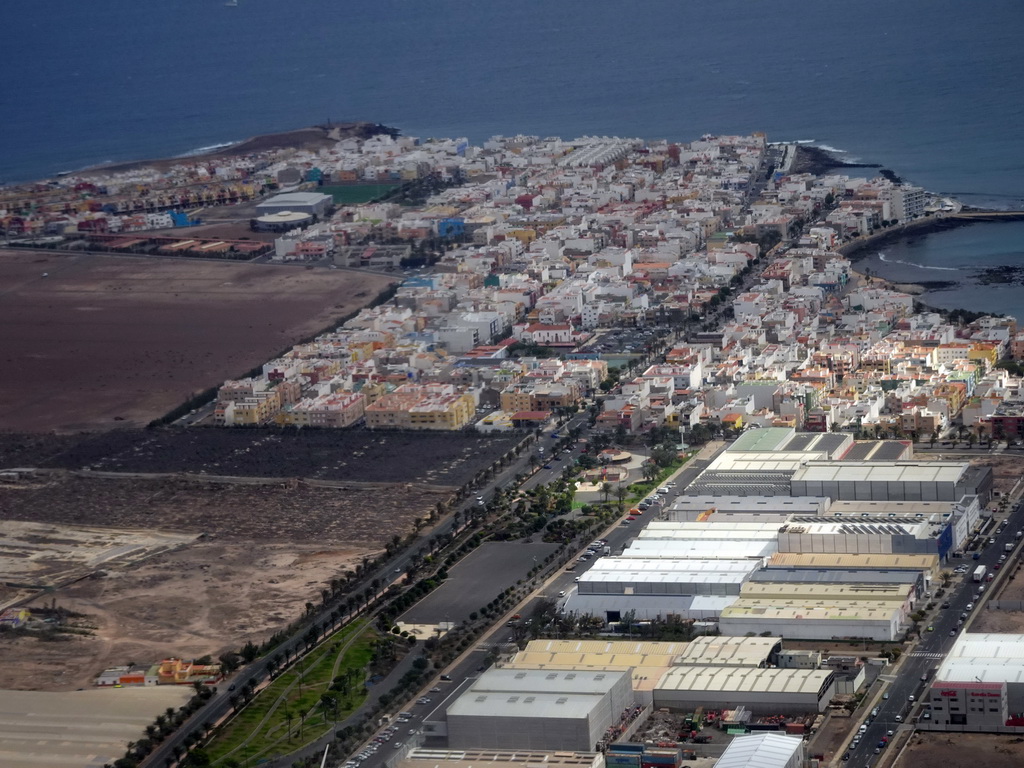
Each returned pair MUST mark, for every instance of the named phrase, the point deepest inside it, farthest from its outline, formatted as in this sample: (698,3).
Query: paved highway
(918,666)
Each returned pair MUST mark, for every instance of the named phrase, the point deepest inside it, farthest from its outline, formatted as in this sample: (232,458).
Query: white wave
(829,148)
(882,257)
(210,148)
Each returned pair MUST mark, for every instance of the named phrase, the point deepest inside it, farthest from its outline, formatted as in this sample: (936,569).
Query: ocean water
(929,88)
(984,261)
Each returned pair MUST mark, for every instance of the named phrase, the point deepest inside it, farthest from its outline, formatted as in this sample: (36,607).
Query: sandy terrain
(206,599)
(86,728)
(267,549)
(105,341)
(44,555)
(962,750)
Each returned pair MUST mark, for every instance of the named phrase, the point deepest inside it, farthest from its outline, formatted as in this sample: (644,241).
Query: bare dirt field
(1006,470)
(104,341)
(1011,587)
(206,599)
(266,550)
(289,511)
(84,728)
(42,555)
(449,458)
(962,750)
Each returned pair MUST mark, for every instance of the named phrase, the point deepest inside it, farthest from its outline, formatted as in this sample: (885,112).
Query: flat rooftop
(806,609)
(903,472)
(468,758)
(869,562)
(790,591)
(751,504)
(984,658)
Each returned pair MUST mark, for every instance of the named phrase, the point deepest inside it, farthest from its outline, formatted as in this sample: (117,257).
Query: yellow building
(524,236)
(258,409)
(985,353)
(426,407)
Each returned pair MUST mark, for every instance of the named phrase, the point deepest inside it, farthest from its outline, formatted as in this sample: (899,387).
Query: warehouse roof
(744,680)
(794,591)
(464,758)
(902,472)
(543,693)
(851,508)
(984,658)
(807,609)
(742,481)
(760,750)
(641,647)
(633,569)
(833,576)
(501,680)
(768,439)
(729,651)
(549,706)
(863,526)
(701,549)
(646,661)
(709,530)
(871,562)
(647,607)
(797,504)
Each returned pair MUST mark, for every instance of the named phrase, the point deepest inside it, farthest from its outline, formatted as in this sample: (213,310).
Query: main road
(938,634)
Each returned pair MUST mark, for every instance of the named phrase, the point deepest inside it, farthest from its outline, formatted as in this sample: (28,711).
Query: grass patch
(642,489)
(261,730)
(354,194)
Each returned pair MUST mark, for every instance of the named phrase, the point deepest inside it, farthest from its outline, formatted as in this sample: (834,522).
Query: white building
(538,709)
(980,686)
(763,750)
(769,691)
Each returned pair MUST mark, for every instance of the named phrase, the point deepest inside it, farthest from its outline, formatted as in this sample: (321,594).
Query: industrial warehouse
(575,694)
(980,686)
(539,709)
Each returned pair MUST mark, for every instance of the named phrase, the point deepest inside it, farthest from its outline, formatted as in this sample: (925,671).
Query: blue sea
(930,88)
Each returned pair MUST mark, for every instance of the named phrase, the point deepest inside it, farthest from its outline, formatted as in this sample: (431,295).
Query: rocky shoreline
(312,138)
(819,162)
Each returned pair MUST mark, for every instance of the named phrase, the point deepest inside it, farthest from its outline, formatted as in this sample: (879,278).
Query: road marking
(925,655)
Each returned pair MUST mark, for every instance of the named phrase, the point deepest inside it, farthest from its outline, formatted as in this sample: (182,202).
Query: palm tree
(620,494)
(606,489)
(289,715)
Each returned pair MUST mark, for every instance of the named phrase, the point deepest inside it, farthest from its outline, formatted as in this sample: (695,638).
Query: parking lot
(477,580)
(630,341)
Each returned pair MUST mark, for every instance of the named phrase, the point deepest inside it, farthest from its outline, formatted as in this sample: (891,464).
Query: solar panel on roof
(798,443)
(859,452)
(889,451)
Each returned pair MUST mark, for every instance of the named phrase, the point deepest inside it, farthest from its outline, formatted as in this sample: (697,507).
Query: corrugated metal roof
(924,472)
(743,680)
(762,750)
(870,562)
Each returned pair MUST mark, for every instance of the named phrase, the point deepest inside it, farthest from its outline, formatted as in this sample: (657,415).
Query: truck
(979,573)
